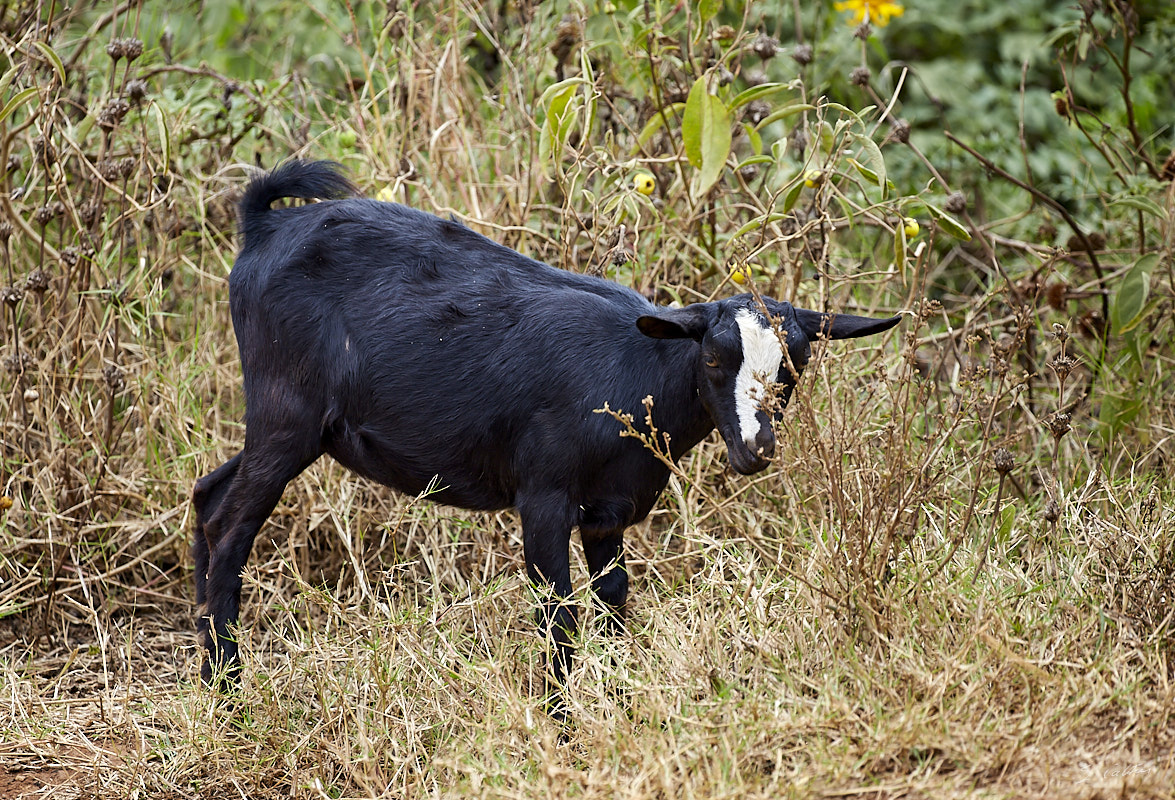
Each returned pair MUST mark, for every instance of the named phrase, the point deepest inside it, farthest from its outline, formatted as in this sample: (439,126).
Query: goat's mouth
(743,459)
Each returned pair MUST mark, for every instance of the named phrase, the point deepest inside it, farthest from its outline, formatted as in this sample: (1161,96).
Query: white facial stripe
(762,355)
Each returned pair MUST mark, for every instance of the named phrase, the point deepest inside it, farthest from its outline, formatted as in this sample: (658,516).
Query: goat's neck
(688,421)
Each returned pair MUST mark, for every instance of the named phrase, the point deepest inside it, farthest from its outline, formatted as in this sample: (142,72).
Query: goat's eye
(711,360)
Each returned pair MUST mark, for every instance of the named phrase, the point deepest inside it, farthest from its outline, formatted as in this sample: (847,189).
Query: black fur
(409,347)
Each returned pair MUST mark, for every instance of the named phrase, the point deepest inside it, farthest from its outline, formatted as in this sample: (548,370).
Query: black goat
(410,347)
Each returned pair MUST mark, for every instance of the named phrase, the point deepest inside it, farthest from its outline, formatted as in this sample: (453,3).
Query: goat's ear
(690,322)
(841,326)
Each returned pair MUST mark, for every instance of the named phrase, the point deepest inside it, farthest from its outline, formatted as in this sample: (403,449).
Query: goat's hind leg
(206,497)
(242,504)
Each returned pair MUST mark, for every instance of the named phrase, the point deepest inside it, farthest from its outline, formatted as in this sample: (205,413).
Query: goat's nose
(765,442)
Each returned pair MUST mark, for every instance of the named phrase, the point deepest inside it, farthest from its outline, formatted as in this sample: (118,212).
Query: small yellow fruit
(910,226)
(385,194)
(741,275)
(5,503)
(813,178)
(643,182)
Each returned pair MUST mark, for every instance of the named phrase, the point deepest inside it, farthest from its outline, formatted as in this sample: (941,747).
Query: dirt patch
(38,783)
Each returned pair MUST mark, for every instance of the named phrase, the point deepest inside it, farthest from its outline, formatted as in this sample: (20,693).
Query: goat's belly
(442,477)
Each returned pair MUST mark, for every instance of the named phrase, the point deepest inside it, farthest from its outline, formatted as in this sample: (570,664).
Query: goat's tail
(306,180)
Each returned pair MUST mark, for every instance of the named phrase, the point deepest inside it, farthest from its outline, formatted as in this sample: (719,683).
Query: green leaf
(53,58)
(755,93)
(1007,518)
(707,9)
(757,223)
(872,160)
(705,131)
(1126,311)
(1141,203)
(948,223)
(6,79)
(783,113)
(793,194)
(753,137)
(866,173)
(558,122)
(164,135)
(692,121)
(16,102)
(755,160)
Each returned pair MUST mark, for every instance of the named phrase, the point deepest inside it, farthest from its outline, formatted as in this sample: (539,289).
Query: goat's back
(428,350)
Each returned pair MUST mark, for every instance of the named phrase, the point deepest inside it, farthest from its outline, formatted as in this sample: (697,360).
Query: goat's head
(747,346)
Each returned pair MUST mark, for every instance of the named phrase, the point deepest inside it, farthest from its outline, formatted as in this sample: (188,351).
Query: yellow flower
(386,194)
(876,12)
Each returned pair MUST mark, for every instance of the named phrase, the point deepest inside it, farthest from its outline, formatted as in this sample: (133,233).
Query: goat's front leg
(546,536)
(605,559)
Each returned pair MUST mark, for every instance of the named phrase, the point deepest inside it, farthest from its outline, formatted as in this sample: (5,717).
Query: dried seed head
(860,76)
(1005,346)
(765,46)
(798,141)
(126,166)
(37,281)
(802,54)
(132,48)
(136,90)
(43,215)
(956,203)
(108,169)
(1059,425)
(69,256)
(1052,511)
(929,308)
(90,212)
(723,33)
(11,295)
(16,364)
(5,231)
(725,77)
(757,111)
(115,382)
(901,131)
(749,172)
(1003,461)
(863,31)
(115,50)
(621,254)
(44,151)
(13,164)
(1063,365)
(110,116)
(567,35)
(1059,333)
(755,77)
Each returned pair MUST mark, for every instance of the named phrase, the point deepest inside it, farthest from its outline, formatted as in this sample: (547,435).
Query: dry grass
(882,614)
